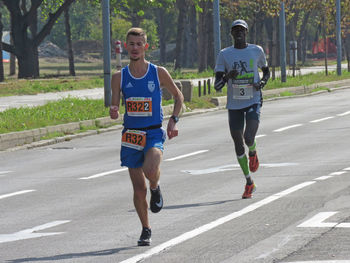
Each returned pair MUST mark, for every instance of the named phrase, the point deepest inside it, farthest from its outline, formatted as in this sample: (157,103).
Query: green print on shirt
(251,63)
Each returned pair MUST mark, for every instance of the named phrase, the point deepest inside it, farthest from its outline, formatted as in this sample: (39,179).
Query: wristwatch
(175,118)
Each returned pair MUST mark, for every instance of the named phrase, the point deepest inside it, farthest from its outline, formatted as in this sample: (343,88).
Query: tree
(69,43)
(25,46)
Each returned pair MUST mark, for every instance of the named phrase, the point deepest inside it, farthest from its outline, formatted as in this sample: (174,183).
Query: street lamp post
(106,53)
(217,38)
(339,53)
(282,23)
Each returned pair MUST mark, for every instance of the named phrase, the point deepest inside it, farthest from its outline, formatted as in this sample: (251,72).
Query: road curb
(30,139)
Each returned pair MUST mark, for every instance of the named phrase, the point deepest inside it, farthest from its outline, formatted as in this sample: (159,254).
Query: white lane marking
(261,135)
(338,173)
(232,167)
(288,127)
(5,172)
(200,230)
(317,221)
(103,174)
(321,261)
(31,232)
(16,193)
(323,119)
(344,113)
(321,178)
(185,155)
(347,169)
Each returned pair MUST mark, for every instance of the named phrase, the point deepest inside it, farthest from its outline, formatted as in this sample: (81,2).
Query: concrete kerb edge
(31,140)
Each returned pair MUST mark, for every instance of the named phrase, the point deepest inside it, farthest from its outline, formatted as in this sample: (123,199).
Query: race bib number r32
(134,139)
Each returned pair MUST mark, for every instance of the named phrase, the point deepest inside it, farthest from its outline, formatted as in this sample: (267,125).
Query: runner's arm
(167,82)
(114,109)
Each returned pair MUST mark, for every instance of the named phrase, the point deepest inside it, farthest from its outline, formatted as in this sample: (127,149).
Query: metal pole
(339,53)
(283,43)
(106,53)
(217,38)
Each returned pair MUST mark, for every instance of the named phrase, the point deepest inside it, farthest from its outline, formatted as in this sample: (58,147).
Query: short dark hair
(136,31)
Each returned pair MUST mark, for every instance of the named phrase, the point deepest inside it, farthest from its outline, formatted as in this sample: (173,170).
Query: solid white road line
(288,127)
(200,230)
(338,173)
(261,135)
(347,169)
(103,174)
(321,261)
(16,193)
(321,178)
(344,113)
(185,155)
(323,119)
(5,172)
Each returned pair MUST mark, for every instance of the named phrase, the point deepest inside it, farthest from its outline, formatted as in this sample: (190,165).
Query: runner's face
(239,33)
(136,47)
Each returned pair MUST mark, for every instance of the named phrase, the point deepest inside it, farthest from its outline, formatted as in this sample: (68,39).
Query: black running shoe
(145,238)
(156,200)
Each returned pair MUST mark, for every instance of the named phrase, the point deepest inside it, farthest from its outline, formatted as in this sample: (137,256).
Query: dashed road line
(344,113)
(288,127)
(323,119)
(103,174)
(16,193)
(185,155)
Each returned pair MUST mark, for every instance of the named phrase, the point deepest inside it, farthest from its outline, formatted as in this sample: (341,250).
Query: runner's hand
(231,75)
(260,85)
(114,112)
(172,130)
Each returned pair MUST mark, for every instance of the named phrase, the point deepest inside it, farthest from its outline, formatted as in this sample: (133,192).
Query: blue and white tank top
(142,98)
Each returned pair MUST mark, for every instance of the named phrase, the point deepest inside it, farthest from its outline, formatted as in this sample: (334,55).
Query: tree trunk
(193,37)
(69,43)
(24,47)
(34,30)
(347,49)
(181,4)
(210,35)
(301,37)
(325,48)
(12,59)
(202,39)
(2,77)
(162,36)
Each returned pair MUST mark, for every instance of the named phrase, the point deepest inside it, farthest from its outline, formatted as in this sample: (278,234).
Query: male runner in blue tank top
(238,66)
(143,135)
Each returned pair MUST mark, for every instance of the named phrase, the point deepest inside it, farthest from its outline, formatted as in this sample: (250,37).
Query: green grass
(32,87)
(306,80)
(54,113)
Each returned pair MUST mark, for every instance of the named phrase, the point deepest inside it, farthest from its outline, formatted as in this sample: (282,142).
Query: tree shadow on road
(98,253)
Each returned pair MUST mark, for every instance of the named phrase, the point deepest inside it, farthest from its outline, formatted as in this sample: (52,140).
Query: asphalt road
(72,202)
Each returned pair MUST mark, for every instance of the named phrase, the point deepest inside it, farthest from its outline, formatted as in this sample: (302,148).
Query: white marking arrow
(317,221)
(30,233)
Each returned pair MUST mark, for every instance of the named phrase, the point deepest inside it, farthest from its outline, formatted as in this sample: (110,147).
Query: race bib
(139,106)
(134,139)
(242,91)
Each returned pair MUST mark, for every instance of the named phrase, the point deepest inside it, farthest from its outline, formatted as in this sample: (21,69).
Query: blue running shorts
(133,158)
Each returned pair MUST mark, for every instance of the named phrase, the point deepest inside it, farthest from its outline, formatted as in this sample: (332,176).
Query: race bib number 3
(242,92)
(139,106)
(134,139)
